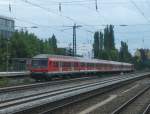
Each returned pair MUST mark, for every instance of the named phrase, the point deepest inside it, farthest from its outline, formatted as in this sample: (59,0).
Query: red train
(46,66)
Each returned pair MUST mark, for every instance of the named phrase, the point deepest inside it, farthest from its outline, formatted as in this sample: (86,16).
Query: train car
(46,66)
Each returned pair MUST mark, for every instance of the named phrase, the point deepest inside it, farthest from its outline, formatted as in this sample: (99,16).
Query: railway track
(67,88)
(41,84)
(60,83)
(36,85)
(124,107)
(30,102)
(147,110)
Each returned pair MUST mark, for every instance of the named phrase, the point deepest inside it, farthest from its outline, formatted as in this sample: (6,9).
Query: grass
(27,81)
(4,82)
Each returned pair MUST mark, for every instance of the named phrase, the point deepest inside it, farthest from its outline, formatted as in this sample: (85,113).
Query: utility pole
(74,48)
(74,39)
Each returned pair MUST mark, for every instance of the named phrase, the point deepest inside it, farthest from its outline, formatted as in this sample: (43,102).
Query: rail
(147,110)
(123,106)
(37,100)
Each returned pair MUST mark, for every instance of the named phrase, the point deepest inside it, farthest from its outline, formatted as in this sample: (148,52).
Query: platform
(14,74)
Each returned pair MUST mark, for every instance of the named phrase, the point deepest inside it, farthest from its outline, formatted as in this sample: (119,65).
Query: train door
(72,66)
(60,66)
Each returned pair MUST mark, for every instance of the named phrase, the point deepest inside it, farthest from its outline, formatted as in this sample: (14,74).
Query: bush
(4,82)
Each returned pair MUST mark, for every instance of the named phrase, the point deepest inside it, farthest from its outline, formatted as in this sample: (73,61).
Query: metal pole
(75,43)
(74,40)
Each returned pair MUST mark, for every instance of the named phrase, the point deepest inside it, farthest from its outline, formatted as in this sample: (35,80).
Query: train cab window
(39,63)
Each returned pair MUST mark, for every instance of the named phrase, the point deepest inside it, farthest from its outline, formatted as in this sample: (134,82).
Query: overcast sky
(134,13)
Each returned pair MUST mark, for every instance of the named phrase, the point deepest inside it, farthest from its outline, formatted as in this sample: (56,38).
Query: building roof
(75,59)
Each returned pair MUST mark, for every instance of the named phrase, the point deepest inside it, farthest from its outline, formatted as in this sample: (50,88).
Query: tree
(101,40)
(106,39)
(54,44)
(111,52)
(143,53)
(96,44)
(3,52)
(111,38)
(101,45)
(104,44)
(124,54)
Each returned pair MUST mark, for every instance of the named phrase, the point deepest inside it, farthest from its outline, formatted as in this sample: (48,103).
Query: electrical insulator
(9,8)
(59,7)
(96,6)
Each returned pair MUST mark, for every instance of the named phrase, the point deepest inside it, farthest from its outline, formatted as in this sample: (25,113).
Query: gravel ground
(139,105)
(22,93)
(7,82)
(119,95)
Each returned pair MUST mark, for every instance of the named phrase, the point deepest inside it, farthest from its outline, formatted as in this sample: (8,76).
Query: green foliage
(104,48)
(3,54)
(96,44)
(104,45)
(109,42)
(101,41)
(4,82)
(114,55)
(26,45)
(124,54)
(142,62)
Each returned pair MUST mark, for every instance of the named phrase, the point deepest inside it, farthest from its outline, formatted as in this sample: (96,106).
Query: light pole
(26,27)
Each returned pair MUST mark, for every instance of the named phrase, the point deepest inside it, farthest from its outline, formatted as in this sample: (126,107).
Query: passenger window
(55,64)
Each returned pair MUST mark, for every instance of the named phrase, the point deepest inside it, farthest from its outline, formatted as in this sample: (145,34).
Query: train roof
(70,58)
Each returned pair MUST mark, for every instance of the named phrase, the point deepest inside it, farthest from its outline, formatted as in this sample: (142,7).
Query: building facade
(7,26)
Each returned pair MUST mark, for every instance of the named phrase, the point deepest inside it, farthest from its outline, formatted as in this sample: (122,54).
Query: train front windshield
(39,63)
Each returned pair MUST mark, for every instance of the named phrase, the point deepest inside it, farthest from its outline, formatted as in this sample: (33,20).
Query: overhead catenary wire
(96,25)
(91,25)
(77,1)
(84,2)
(50,11)
(71,19)
(140,11)
(38,25)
